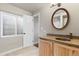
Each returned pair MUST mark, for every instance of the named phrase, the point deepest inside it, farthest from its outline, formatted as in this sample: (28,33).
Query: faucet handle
(70,35)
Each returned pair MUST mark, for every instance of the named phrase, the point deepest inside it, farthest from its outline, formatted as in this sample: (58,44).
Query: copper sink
(63,39)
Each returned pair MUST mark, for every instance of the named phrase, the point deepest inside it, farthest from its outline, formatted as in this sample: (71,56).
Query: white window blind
(11,24)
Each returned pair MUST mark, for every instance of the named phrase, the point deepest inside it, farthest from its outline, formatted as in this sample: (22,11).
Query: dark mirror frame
(67,18)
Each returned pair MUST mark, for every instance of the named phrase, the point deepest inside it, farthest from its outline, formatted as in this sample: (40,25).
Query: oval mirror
(60,18)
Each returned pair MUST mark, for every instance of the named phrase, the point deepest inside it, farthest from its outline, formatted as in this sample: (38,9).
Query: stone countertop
(73,42)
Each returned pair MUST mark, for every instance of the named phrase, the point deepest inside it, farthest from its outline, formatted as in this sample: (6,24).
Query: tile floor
(29,51)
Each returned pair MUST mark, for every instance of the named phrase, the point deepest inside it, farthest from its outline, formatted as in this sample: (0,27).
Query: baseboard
(12,50)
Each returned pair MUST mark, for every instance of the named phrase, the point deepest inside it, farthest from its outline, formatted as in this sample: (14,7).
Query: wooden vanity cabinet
(64,50)
(45,48)
(52,48)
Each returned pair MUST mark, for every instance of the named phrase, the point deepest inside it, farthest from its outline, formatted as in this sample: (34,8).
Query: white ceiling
(31,7)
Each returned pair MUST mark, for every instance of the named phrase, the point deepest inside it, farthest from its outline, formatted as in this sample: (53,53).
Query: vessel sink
(63,39)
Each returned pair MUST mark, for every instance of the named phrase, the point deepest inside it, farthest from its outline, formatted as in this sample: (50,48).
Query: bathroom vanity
(50,46)
(56,44)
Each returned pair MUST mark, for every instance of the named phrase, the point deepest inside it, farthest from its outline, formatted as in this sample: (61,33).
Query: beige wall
(45,19)
(8,43)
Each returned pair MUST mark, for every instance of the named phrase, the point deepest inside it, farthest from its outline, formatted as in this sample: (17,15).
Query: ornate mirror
(60,18)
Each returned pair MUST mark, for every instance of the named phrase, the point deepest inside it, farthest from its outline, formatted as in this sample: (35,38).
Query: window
(19,25)
(8,24)
(11,24)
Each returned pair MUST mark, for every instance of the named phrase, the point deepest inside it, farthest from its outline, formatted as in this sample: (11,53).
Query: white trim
(16,25)
(1,24)
(12,50)
(12,35)
(38,14)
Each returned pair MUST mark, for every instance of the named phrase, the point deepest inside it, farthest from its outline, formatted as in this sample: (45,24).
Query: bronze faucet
(70,35)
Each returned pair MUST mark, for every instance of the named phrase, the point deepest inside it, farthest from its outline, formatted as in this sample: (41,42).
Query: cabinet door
(45,48)
(61,50)
(75,52)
